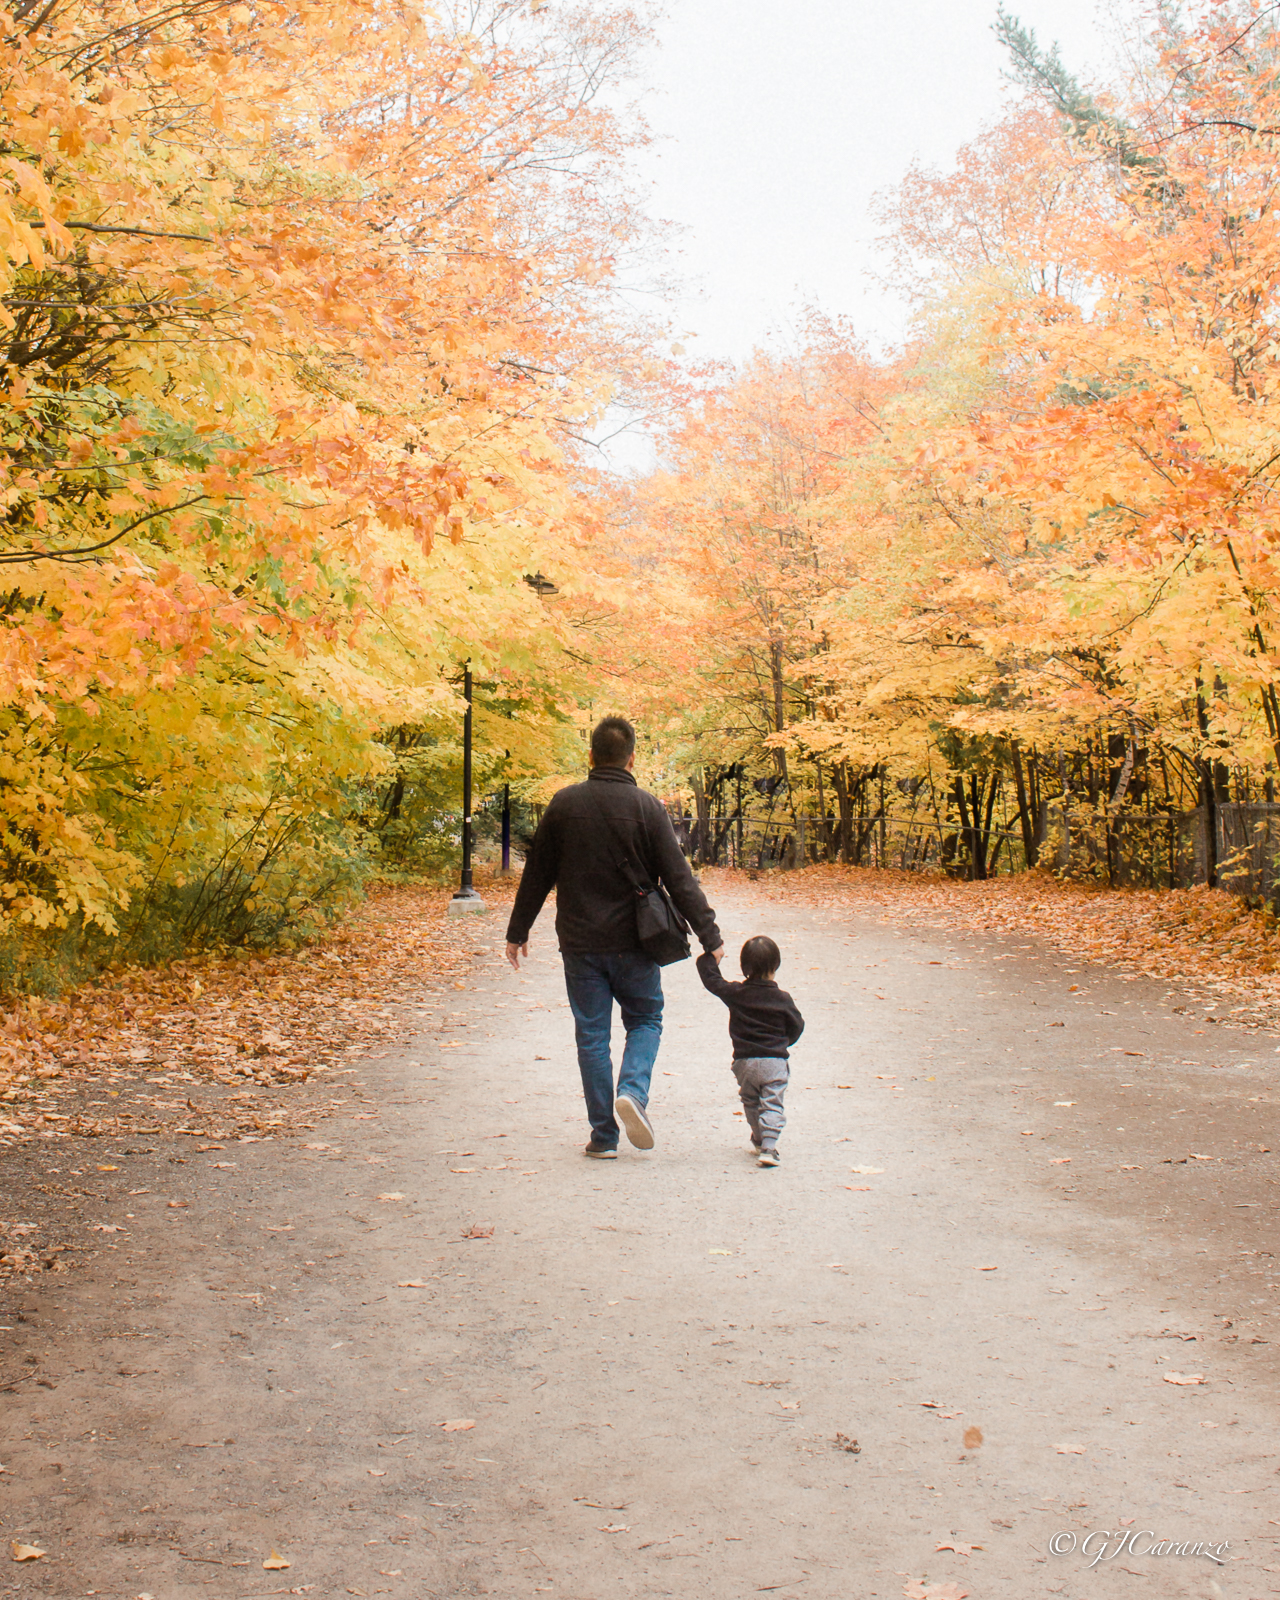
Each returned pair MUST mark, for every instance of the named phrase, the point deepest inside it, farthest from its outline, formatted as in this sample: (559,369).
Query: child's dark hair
(760,957)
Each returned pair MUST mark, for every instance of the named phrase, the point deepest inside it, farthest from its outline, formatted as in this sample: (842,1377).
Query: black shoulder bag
(662,931)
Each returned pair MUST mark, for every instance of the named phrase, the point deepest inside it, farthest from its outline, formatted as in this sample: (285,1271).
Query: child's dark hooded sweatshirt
(763,1019)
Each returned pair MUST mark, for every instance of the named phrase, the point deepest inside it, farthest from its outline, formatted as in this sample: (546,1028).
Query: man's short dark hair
(613,743)
(760,957)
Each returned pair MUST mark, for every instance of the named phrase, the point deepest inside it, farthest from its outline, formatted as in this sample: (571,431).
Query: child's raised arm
(708,965)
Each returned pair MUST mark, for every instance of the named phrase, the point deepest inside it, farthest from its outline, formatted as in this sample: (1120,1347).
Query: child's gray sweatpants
(762,1082)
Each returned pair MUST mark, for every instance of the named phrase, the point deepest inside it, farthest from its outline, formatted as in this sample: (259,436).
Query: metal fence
(1161,849)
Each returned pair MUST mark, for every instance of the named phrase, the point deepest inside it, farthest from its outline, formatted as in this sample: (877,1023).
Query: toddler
(763,1024)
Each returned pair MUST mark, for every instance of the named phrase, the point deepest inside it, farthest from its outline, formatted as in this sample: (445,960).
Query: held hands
(718,955)
(515,951)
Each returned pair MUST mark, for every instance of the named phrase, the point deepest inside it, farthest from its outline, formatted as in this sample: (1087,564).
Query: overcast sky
(776,123)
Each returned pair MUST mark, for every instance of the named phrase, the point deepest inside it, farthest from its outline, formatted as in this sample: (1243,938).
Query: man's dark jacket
(576,852)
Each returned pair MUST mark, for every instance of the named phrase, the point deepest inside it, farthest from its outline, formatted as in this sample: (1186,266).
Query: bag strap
(624,864)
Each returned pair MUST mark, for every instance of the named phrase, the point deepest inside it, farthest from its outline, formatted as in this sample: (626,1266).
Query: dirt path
(1071,1203)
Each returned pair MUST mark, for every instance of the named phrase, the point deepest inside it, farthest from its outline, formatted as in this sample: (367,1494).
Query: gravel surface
(425,1349)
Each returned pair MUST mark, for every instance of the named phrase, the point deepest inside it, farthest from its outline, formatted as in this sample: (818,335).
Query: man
(576,851)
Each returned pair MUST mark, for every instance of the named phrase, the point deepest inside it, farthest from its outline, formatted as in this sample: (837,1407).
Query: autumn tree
(304,308)
(1053,590)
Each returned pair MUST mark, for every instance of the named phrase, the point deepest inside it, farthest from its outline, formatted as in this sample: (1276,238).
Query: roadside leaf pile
(1202,937)
(253,1025)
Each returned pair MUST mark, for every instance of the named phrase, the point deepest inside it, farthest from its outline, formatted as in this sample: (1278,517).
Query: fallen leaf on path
(986,1269)
(276,1563)
(858,1188)
(960,1549)
(1060,1161)
(108,1169)
(393,1194)
(1183,1378)
(935,1591)
(867,1172)
(1131,1169)
(719,1252)
(462,1169)
(479,1230)
(851,1446)
(931,1405)
(377,1472)
(25,1552)
(616,1527)
(1195,1157)
(1065,1102)
(460,1425)
(972,1438)
(1069,1449)
(105,1227)
(789,1405)
(411,1283)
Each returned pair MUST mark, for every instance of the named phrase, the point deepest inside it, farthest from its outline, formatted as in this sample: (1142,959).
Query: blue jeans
(593,983)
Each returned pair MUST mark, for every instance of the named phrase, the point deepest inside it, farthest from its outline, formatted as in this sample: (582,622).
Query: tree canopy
(307,316)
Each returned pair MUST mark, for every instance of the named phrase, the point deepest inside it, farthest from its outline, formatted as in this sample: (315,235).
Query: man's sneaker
(632,1117)
(769,1158)
(601,1152)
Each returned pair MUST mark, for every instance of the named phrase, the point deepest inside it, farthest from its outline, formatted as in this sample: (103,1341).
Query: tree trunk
(1026,814)
(703,807)
(779,702)
(967,829)
(844,799)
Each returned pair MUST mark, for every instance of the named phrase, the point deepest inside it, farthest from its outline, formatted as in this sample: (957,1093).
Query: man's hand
(718,955)
(515,951)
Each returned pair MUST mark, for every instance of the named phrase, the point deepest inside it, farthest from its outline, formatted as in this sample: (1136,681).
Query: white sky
(777,123)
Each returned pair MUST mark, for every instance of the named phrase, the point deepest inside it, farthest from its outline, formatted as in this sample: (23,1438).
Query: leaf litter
(220,1046)
(1203,935)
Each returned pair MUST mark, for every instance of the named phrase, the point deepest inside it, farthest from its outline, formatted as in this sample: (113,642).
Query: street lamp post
(466,898)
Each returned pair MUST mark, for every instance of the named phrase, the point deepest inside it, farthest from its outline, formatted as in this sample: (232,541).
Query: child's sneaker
(768,1158)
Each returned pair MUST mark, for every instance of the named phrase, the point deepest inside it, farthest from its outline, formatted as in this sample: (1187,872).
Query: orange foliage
(303,309)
